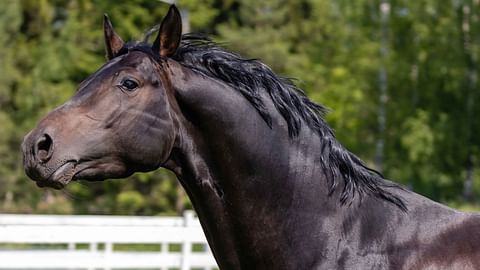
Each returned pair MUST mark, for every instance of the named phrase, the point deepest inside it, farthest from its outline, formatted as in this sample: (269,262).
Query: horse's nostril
(43,148)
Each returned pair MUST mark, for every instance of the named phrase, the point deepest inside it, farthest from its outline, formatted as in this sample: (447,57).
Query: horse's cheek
(154,149)
(164,146)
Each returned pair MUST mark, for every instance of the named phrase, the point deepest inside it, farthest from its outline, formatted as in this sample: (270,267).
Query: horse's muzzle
(37,152)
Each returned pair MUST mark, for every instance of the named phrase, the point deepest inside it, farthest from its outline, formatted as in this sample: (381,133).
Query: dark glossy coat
(272,186)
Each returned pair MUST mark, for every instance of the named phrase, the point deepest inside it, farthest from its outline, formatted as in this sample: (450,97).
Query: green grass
(137,247)
(12,246)
(101,246)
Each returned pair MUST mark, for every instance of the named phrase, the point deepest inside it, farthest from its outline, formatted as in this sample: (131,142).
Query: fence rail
(93,242)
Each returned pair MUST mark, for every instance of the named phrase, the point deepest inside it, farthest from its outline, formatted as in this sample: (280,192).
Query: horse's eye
(129,85)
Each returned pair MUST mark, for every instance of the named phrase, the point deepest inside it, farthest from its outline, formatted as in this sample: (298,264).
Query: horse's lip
(83,165)
(61,176)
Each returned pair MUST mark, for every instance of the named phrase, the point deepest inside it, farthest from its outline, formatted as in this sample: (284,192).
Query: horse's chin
(60,177)
(93,171)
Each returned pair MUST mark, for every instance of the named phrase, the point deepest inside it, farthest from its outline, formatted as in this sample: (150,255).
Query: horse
(272,186)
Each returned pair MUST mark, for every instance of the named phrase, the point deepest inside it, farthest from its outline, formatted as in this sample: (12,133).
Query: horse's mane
(251,77)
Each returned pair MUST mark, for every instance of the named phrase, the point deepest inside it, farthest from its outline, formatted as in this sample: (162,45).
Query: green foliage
(418,138)
(332,47)
(130,201)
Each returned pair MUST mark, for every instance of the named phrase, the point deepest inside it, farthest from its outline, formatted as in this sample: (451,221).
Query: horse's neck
(261,196)
(258,192)
(229,145)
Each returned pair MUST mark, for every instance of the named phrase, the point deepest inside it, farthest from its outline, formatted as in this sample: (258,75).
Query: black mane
(251,77)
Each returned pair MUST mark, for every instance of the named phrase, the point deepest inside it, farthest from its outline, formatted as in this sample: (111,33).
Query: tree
(334,48)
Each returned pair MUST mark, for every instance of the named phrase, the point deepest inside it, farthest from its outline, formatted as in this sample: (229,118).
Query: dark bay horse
(272,186)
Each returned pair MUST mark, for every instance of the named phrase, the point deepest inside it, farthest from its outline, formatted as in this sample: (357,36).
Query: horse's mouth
(60,177)
(80,169)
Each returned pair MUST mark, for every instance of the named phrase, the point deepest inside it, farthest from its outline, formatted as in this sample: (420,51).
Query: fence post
(93,247)
(188,218)
(108,248)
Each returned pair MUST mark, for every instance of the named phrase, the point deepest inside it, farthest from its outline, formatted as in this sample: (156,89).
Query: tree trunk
(179,201)
(383,84)
(470,84)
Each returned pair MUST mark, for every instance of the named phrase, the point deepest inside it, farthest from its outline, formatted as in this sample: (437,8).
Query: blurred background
(400,77)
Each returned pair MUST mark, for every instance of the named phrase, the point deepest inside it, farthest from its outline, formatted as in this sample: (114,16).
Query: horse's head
(118,122)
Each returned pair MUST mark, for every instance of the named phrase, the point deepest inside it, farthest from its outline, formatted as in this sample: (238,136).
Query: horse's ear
(169,34)
(113,42)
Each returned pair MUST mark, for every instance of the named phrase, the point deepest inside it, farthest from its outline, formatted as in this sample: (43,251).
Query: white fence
(95,242)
